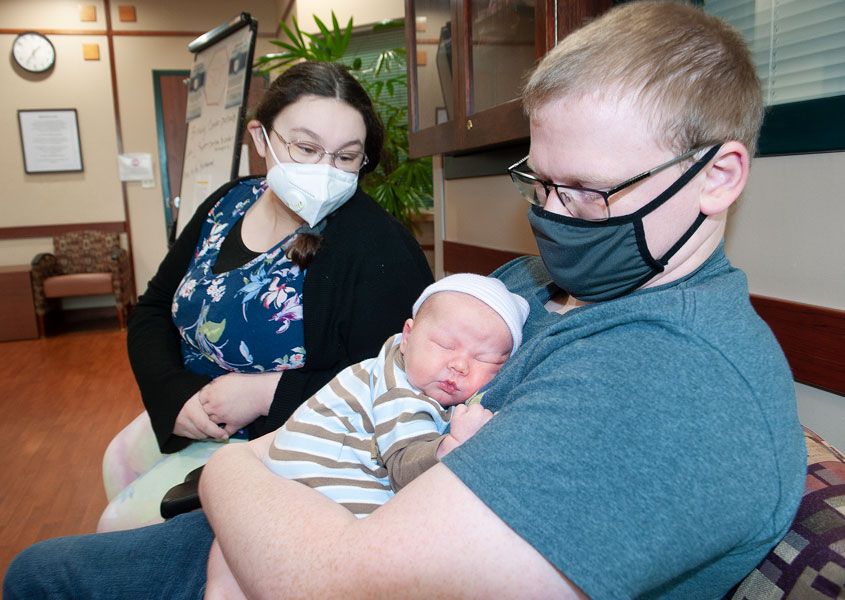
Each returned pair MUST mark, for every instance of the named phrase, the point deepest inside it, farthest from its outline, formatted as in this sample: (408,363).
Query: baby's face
(454,347)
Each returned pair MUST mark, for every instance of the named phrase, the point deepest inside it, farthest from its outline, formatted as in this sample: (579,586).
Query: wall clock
(33,52)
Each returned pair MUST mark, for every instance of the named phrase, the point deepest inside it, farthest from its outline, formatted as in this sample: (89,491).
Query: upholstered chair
(83,263)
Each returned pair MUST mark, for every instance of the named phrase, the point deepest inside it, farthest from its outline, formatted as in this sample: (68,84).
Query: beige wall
(95,194)
(788,233)
(48,198)
(364,12)
(487,211)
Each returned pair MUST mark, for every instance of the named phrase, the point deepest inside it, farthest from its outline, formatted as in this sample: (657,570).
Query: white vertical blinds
(798,46)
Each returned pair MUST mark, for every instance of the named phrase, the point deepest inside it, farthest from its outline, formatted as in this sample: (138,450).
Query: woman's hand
(237,399)
(193,422)
(465,423)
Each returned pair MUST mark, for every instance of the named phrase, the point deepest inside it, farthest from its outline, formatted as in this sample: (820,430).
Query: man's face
(455,346)
(600,142)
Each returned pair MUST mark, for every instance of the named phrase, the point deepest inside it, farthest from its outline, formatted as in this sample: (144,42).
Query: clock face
(34,52)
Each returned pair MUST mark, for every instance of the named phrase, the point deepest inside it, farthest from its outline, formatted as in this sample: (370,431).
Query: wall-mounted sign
(136,166)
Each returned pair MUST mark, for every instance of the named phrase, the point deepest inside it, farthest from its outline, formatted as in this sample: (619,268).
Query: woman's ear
(255,130)
(725,178)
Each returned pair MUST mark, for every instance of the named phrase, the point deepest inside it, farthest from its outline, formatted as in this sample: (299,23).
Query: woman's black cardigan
(358,291)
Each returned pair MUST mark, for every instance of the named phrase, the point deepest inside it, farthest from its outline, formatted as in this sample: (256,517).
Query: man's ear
(254,128)
(725,178)
(406,331)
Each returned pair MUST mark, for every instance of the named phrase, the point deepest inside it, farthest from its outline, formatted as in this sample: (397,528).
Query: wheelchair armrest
(183,497)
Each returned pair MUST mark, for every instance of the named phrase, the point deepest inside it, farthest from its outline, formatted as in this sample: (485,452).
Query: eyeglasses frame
(323,151)
(605,194)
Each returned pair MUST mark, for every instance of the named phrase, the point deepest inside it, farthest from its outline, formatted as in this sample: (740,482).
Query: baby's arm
(406,463)
(220,582)
(465,423)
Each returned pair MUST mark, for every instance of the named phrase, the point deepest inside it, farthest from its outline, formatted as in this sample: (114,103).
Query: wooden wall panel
(34,231)
(17,308)
(812,337)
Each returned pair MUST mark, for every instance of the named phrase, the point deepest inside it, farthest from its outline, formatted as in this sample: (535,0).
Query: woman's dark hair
(328,80)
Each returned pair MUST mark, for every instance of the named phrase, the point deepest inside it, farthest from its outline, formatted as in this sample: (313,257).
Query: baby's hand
(465,422)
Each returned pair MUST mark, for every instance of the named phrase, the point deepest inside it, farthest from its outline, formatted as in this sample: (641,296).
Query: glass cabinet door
(469,61)
(433,64)
(503,47)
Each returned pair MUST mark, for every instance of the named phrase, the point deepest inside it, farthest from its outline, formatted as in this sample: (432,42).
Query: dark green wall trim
(802,127)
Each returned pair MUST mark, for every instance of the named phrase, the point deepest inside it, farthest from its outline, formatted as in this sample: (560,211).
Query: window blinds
(798,46)
(367,45)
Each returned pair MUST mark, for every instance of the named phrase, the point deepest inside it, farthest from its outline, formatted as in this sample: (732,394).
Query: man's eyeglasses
(310,153)
(582,203)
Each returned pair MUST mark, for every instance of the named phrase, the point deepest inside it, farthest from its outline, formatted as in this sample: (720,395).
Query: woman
(273,287)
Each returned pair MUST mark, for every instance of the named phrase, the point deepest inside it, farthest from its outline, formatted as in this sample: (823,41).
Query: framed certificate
(50,140)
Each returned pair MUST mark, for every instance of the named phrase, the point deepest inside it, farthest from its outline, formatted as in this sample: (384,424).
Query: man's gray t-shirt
(645,446)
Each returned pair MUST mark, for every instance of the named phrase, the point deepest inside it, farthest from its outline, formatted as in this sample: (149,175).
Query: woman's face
(326,122)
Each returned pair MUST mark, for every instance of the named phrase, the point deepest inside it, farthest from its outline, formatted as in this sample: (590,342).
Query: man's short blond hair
(691,72)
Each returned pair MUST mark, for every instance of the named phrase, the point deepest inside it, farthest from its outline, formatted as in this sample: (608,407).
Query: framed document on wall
(50,140)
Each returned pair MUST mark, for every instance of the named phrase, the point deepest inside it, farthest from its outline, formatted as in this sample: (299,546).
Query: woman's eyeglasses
(310,153)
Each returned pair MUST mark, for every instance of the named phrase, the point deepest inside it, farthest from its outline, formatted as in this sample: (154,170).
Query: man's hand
(220,582)
(193,422)
(465,422)
(237,399)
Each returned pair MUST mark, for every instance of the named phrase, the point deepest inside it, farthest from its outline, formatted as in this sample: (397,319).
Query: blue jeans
(161,561)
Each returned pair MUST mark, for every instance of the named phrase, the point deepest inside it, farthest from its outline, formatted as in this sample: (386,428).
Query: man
(613,464)
(646,441)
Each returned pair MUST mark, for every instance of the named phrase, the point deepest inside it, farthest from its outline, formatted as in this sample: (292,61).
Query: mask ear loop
(659,264)
(270,146)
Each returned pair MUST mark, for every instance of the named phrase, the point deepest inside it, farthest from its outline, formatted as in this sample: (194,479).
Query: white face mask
(311,191)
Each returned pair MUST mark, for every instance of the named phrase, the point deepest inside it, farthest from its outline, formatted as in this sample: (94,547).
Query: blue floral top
(248,319)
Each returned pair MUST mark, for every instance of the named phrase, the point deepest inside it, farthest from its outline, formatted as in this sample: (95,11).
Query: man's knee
(34,573)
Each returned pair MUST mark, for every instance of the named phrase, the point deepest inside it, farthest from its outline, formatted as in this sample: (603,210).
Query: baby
(382,422)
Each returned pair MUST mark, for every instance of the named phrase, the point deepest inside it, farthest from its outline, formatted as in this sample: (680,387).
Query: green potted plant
(401,185)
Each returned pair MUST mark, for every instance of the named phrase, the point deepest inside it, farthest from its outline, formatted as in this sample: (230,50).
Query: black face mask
(595,261)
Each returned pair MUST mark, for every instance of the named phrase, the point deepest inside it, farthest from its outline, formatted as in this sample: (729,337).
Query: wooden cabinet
(17,308)
(466,65)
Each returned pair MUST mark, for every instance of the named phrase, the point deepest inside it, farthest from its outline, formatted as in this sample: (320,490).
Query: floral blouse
(248,319)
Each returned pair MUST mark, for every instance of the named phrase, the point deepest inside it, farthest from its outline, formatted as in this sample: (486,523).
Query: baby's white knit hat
(511,307)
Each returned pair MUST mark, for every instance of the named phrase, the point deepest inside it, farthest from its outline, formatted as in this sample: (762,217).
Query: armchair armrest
(119,266)
(44,265)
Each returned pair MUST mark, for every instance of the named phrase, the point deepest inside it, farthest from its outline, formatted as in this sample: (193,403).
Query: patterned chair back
(809,562)
(85,251)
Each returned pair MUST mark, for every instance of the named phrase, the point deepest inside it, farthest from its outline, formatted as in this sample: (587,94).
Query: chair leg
(41,325)
(121,316)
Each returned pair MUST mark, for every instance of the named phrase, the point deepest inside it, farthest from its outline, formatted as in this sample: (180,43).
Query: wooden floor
(62,399)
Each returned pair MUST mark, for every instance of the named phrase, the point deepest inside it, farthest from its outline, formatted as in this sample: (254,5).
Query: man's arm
(433,539)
